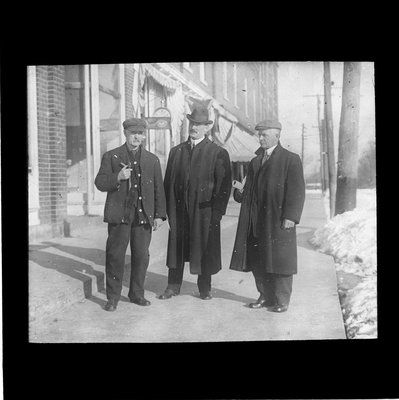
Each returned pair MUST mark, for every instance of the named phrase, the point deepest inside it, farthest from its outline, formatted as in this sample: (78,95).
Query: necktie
(192,145)
(265,157)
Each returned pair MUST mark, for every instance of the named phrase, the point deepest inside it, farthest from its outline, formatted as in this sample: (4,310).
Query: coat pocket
(205,204)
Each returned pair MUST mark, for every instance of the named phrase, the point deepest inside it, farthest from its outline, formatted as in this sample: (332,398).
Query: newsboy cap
(135,124)
(268,124)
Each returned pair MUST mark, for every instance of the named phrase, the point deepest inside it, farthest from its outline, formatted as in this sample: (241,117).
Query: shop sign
(160,120)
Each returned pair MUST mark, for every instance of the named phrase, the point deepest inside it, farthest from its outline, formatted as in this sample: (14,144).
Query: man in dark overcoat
(135,205)
(272,202)
(197,187)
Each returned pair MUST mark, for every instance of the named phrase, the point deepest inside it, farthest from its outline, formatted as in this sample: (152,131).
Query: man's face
(134,138)
(197,131)
(269,137)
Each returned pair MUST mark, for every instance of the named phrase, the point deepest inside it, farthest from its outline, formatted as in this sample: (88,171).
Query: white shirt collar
(270,150)
(195,142)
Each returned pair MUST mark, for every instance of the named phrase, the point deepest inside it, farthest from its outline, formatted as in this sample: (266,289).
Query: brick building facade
(75,114)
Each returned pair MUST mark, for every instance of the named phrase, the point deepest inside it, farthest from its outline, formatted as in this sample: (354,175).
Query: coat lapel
(145,158)
(272,157)
(123,154)
(258,160)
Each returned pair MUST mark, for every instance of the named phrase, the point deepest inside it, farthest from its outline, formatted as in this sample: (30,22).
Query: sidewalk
(66,293)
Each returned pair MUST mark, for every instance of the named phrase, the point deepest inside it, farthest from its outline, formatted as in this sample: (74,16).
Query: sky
(298,80)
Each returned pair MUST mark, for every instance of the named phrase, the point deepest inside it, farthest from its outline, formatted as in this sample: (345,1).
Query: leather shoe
(261,303)
(111,305)
(205,296)
(141,301)
(280,308)
(167,294)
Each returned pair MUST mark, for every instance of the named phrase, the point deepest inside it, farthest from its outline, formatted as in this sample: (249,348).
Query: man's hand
(157,223)
(287,224)
(124,173)
(239,185)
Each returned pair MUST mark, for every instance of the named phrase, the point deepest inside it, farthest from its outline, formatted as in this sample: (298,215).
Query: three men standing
(194,195)
(197,187)
(135,205)
(272,203)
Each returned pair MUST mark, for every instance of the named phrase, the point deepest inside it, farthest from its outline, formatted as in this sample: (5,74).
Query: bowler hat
(199,114)
(268,124)
(135,124)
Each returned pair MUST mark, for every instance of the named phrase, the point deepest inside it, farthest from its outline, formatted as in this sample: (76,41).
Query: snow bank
(351,239)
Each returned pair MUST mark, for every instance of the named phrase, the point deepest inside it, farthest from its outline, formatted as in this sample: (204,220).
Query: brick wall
(52,147)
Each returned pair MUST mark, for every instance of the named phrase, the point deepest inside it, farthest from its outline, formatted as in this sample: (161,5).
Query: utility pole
(332,174)
(348,139)
(322,150)
(324,153)
(323,147)
(303,143)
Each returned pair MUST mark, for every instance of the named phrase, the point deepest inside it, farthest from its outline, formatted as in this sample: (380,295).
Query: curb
(69,290)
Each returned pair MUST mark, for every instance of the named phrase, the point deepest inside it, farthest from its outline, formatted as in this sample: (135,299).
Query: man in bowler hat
(197,187)
(272,202)
(135,205)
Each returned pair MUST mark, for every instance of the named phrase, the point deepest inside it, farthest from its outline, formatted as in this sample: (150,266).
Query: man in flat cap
(197,187)
(135,205)
(272,202)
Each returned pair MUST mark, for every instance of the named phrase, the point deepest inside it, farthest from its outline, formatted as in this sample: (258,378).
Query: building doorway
(94,103)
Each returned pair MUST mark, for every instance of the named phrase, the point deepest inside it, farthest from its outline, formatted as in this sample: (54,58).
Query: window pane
(75,129)
(110,106)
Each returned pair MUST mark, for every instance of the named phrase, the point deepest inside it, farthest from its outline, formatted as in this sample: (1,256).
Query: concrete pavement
(66,293)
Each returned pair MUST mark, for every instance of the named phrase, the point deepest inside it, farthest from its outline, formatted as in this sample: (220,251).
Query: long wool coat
(201,181)
(152,190)
(273,192)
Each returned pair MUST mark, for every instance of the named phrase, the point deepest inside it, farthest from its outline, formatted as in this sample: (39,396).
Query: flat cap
(268,124)
(135,124)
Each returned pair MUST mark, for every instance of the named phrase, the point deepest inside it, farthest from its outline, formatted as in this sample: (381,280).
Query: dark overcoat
(201,180)
(152,191)
(273,192)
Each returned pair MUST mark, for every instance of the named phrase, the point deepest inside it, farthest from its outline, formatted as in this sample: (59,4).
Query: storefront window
(93,122)
(75,129)
(110,106)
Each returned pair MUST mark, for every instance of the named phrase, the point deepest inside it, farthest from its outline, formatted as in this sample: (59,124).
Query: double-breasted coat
(152,191)
(273,192)
(199,181)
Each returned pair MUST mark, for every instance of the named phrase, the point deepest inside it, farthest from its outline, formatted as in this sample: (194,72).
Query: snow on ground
(351,239)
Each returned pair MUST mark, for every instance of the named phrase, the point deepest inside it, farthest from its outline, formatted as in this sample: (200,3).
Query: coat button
(139,197)
(135,162)
(135,185)
(140,210)
(142,222)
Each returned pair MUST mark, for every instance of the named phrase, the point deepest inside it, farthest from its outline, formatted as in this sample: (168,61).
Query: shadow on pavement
(157,283)
(94,255)
(303,238)
(69,267)
(154,282)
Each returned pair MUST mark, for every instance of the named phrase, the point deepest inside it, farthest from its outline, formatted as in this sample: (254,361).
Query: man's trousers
(175,279)
(118,239)
(274,288)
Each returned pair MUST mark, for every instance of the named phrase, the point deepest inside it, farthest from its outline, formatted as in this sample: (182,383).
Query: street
(66,293)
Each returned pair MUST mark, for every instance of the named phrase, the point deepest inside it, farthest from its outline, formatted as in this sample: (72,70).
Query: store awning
(241,146)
